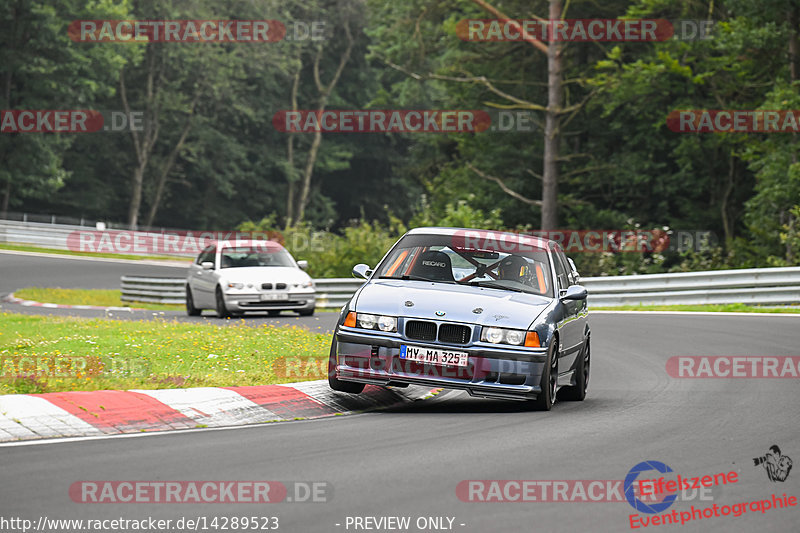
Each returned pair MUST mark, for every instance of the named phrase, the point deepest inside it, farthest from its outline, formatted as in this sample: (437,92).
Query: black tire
(222,311)
(336,384)
(191,310)
(274,312)
(577,392)
(549,381)
(306,312)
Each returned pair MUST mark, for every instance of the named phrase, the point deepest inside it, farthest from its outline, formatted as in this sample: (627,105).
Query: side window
(567,267)
(206,255)
(574,278)
(561,269)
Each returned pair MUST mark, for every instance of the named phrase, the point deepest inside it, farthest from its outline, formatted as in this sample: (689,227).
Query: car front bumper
(298,301)
(493,371)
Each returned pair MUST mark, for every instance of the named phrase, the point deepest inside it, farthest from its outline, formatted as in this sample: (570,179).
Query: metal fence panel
(766,286)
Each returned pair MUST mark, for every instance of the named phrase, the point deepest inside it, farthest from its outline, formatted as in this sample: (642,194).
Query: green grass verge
(52,354)
(98,297)
(26,248)
(727,308)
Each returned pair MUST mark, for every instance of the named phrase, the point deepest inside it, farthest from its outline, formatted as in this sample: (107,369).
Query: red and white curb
(31,303)
(76,414)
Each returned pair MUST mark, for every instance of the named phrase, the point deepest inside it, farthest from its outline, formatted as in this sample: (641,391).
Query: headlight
(493,335)
(387,323)
(501,335)
(514,336)
(367,321)
(307,285)
(235,285)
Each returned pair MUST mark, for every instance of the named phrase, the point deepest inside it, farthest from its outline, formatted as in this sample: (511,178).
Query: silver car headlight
(379,322)
(307,285)
(237,286)
(503,336)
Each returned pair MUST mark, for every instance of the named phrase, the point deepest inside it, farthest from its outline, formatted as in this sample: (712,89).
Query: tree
(41,68)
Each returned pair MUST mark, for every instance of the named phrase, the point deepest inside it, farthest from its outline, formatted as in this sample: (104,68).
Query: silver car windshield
(254,257)
(437,258)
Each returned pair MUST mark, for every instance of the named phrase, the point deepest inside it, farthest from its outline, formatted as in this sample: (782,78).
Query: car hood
(263,275)
(500,308)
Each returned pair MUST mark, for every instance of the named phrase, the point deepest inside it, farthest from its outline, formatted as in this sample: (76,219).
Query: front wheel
(335,383)
(222,311)
(577,392)
(306,312)
(549,381)
(191,310)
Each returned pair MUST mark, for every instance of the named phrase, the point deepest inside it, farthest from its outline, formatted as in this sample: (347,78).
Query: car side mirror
(303,265)
(575,276)
(362,271)
(575,292)
(207,265)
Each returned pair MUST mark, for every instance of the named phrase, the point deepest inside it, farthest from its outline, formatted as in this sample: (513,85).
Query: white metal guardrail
(153,290)
(332,293)
(57,236)
(766,286)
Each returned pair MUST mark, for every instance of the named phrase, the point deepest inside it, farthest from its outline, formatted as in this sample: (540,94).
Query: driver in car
(515,268)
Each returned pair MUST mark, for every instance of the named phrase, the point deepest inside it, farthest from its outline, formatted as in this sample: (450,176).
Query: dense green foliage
(217,162)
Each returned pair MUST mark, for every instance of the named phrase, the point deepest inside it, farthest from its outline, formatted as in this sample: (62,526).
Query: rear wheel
(191,310)
(549,381)
(577,392)
(222,311)
(337,384)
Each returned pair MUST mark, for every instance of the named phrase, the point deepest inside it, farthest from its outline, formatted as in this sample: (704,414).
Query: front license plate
(274,296)
(433,355)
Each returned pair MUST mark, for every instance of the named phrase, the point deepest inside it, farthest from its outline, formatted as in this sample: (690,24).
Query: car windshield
(255,257)
(445,259)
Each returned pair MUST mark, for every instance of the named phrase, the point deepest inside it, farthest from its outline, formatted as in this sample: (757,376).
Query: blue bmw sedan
(499,315)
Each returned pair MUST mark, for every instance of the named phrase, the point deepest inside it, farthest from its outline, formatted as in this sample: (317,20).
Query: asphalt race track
(408,461)
(18,271)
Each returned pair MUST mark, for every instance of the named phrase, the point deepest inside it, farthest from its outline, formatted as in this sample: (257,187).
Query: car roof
(506,236)
(254,243)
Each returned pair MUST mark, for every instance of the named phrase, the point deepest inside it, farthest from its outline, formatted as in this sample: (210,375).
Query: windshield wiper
(407,277)
(494,285)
